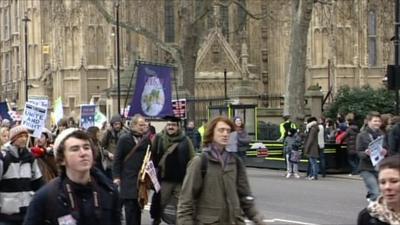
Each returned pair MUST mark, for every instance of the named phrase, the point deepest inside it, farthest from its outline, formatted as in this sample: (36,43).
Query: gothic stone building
(72,48)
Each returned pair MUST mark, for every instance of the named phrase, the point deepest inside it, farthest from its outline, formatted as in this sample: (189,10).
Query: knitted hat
(61,137)
(17,131)
(116,119)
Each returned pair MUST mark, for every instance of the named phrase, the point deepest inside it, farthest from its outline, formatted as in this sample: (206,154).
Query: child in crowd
(291,147)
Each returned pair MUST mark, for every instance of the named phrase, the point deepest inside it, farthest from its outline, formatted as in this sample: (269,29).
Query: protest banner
(42,101)
(34,118)
(152,95)
(151,171)
(88,113)
(99,119)
(58,110)
(376,147)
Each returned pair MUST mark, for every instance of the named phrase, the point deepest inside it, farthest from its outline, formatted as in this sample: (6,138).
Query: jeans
(313,162)
(371,183)
(322,162)
(291,167)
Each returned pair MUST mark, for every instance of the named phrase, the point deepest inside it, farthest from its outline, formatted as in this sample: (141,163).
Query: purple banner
(87,115)
(152,95)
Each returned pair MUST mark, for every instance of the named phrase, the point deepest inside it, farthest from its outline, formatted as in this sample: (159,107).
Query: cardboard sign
(88,113)
(34,118)
(42,101)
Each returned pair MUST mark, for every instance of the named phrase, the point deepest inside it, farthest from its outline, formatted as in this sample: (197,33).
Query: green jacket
(220,194)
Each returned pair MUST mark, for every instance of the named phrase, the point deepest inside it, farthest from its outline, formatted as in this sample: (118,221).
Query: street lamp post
(225,87)
(118,59)
(26,20)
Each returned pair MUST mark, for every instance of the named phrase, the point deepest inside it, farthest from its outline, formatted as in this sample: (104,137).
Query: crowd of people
(88,176)
(71,175)
(373,152)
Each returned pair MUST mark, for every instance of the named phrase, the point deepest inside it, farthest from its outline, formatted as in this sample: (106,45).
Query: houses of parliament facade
(71,48)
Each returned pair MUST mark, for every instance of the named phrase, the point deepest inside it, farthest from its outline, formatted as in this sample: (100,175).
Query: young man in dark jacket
(131,150)
(365,167)
(80,195)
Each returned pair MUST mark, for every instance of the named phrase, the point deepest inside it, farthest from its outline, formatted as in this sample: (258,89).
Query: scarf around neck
(380,210)
(168,140)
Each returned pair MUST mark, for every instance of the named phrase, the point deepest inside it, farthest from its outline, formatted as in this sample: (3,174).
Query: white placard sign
(34,118)
(42,101)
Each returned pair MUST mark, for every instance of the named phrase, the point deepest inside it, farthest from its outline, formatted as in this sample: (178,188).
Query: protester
(103,158)
(350,139)
(4,136)
(61,125)
(193,134)
(239,139)
(20,176)
(43,152)
(171,152)
(80,195)
(393,140)
(329,131)
(112,135)
(311,147)
(386,209)
(291,147)
(321,147)
(128,159)
(216,188)
(6,123)
(367,171)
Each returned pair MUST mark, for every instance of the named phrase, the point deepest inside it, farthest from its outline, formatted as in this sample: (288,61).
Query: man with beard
(171,152)
(131,150)
(110,140)
(365,167)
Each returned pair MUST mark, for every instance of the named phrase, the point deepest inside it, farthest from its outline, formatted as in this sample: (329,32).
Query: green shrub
(360,101)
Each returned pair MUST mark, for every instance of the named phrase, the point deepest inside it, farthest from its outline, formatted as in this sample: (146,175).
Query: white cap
(61,137)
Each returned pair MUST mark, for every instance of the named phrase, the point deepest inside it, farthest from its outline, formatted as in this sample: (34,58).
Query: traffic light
(393,77)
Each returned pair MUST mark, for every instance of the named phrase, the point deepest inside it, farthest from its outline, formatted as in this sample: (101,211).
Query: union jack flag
(179,108)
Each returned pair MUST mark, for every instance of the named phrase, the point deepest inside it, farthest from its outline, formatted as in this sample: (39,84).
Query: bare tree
(192,30)
(295,85)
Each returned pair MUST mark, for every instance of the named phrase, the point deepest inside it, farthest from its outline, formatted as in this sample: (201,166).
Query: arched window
(372,49)
(169,32)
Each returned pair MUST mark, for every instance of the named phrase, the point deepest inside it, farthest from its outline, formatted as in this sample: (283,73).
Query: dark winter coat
(365,219)
(223,193)
(110,139)
(394,140)
(52,202)
(350,139)
(128,171)
(362,143)
(311,148)
(174,168)
(194,136)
